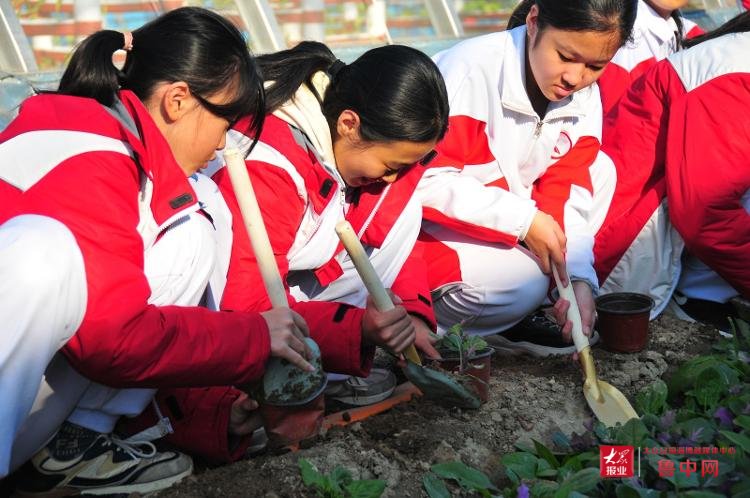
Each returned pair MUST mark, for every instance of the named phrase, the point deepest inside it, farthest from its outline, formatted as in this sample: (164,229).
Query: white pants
(43,291)
(499,285)
(387,260)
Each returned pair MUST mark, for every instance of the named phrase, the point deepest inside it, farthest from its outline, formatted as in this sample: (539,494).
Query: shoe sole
(146,487)
(141,488)
(503,345)
(363,400)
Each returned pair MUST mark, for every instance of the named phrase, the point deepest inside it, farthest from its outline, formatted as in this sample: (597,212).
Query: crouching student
(678,139)
(514,188)
(342,142)
(658,32)
(105,251)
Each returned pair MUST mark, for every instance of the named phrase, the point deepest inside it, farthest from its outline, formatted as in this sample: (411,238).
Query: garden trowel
(608,404)
(433,383)
(283,383)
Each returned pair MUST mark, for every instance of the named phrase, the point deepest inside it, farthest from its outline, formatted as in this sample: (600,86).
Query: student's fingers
(403,338)
(396,300)
(301,324)
(296,359)
(560,311)
(567,331)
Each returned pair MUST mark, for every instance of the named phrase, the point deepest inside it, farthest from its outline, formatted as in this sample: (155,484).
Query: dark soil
(529,398)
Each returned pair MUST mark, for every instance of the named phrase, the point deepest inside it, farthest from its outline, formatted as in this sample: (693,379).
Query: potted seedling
(468,356)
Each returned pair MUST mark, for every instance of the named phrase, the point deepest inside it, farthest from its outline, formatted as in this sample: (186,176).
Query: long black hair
(738,24)
(581,15)
(188,44)
(397,91)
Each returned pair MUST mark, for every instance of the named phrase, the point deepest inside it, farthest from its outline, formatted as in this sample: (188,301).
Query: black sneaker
(363,391)
(537,335)
(700,310)
(81,461)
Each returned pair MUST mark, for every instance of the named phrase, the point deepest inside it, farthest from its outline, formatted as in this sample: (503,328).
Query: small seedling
(457,343)
(339,483)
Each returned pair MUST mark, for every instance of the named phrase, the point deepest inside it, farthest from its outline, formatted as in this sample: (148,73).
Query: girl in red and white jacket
(679,141)
(94,187)
(513,188)
(658,32)
(342,142)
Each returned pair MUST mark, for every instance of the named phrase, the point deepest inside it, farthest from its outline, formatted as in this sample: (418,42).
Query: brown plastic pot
(477,371)
(623,321)
(289,424)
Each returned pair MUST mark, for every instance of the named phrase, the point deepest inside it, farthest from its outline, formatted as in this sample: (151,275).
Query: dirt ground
(529,398)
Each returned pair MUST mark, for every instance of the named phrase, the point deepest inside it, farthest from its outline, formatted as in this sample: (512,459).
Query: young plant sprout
(456,343)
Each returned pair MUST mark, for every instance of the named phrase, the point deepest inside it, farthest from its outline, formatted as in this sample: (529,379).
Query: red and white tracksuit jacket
(499,163)
(116,186)
(680,133)
(654,38)
(302,197)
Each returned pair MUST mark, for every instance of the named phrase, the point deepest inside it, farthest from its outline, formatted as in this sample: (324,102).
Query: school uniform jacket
(301,200)
(654,38)
(499,162)
(109,175)
(682,131)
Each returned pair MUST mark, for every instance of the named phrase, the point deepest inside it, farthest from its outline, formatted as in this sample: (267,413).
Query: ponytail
(90,72)
(738,24)
(292,68)
(680,34)
(188,44)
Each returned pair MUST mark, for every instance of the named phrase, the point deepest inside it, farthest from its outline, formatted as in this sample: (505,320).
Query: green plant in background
(339,483)
(468,478)
(705,403)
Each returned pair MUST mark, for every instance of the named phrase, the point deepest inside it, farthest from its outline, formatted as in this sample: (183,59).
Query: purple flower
(523,491)
(667,420)
(725,416)
(664,438)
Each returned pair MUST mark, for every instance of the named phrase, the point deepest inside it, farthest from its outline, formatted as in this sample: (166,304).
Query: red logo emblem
(563,146)
(616,461)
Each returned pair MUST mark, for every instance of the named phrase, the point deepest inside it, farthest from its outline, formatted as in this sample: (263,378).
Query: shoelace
(132,448)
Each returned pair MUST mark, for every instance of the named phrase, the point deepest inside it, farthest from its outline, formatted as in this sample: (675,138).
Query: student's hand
(288,331)
(425,339)
(585,300)
(547,241)
(243,416)
(391,329)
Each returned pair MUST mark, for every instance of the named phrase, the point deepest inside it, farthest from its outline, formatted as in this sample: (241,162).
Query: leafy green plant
(339,483)
(468,478)
(705,403)
(455,343)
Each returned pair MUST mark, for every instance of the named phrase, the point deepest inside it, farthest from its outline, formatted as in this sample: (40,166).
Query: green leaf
(543,489)
(519,465)
(742,421)
(701,494)
(740,440)
(687,375)
(466,477)
(547,473)
(633,433)
(435,486)
(582,481)
(709,386)
(705,429)
(741,489)
(545,453)
(365,488)
(627,491)
(653,400)
(340,478)
(310,475)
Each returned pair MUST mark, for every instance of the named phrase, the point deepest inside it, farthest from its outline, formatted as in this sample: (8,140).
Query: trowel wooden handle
(574,314)
(243,190)
(370,278)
